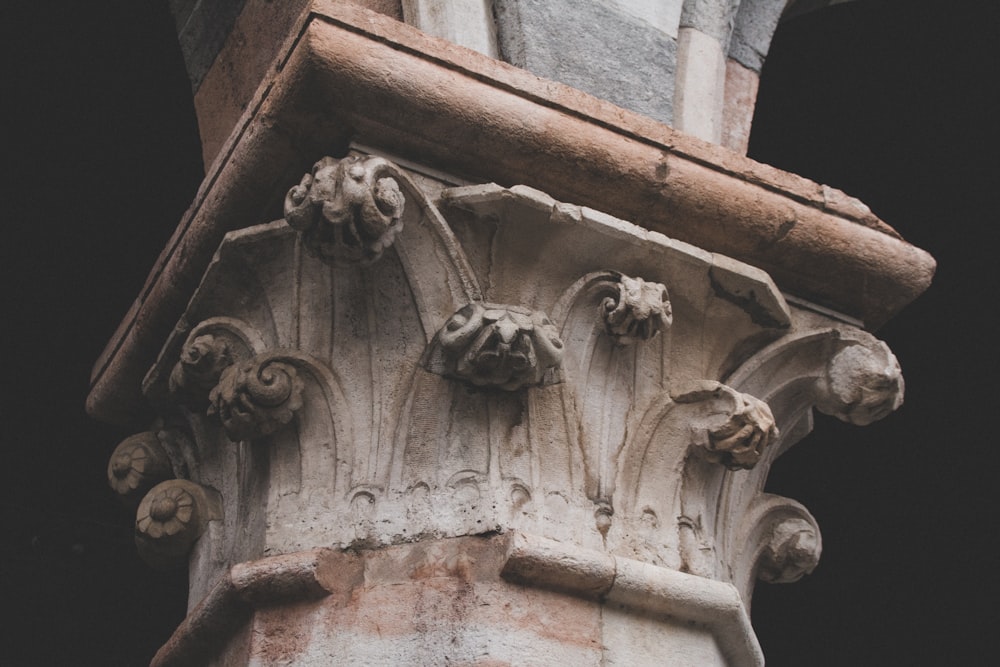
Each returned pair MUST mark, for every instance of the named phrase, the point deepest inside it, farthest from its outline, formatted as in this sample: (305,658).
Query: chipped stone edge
(595,575)
(230,603)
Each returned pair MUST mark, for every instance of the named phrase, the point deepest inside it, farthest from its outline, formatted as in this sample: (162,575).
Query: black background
(893,102)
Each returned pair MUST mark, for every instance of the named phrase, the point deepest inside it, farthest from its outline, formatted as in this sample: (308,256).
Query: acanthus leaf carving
(497,346)
(862,383)
(348,211)
(638,311)
(737,428)
(171,518)
(255,398)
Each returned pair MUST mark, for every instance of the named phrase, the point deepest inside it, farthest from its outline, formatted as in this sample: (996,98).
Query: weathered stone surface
(466,22)
(714,18)
(438,419)
(361,75)
(753,27)
(594,47)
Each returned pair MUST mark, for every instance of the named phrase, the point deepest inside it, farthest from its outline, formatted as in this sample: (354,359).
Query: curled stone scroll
(256,397)
(497,346)
(349,211)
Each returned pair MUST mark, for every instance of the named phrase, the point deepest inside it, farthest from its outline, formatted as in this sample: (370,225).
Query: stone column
(448,364)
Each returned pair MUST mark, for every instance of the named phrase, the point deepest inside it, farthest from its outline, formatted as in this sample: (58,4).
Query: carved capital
(638,311)
(255,398)
(347,211)
(497,346)
(171,518)
(736,428)
(862,384)
(138,463)
(791,551)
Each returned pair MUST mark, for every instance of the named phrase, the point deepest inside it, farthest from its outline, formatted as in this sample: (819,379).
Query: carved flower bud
(734,428)
(202,360)
(138,463)
(348,211)
(255,398)
(863,383)
(639,311)
(792,552)
(170,519)
(739,442)
(498,346)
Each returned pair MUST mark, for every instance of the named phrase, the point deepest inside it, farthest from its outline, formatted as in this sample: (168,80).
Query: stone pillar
(449,364)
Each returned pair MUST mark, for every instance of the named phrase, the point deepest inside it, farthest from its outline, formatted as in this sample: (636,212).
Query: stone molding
(646,588)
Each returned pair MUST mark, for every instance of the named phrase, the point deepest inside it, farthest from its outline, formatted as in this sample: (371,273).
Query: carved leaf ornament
(737,428)
(348,211)
(638,312)
(498,346)
(255,398)
(653,473)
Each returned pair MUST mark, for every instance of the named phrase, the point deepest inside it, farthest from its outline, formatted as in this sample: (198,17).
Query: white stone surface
(699,85)
(465,22)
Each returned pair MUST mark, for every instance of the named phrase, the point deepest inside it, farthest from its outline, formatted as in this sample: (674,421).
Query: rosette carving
(737,428)
(638,311)
(171,518)
(497,346)
(138,463)
(348,211)
(862,384)
(792,551)
(255,398)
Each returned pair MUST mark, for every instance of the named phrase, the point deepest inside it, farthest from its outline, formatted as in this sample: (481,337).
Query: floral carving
(202,360)
(347,211)
(792,552)
(639,311)
(738,428)
(138,463)
(498,346)
(170,519)
(254,398)
(863,383)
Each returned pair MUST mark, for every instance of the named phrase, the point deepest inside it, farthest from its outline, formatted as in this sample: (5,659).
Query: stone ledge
(354,75)
(521,559)
(639,586)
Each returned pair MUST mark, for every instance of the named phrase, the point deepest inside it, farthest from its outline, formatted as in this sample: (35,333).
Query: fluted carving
(497,346)
(256,397)
(348,211)
(737,429)
(638,311)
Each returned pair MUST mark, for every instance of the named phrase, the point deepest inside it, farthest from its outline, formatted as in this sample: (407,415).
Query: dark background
(893,102)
